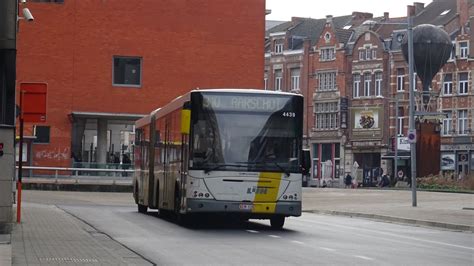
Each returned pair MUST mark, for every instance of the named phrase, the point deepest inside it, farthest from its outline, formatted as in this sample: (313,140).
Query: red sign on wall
(33,101)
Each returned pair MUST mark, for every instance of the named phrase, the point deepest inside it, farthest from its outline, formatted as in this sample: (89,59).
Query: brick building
(343,62)
(108,63)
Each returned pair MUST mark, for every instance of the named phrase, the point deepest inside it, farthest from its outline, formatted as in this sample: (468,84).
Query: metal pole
(412,104)
(395,175)
(20,166)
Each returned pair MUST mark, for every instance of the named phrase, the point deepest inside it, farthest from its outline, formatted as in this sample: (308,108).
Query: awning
(109,116)
(402,155)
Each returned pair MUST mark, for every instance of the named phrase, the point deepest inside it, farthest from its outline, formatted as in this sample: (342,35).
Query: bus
(222,151)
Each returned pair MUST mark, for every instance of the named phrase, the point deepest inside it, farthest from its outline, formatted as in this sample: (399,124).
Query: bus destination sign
(244,103)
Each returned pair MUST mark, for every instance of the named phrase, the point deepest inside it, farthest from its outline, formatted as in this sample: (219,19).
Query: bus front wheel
(142,208)
(277,222)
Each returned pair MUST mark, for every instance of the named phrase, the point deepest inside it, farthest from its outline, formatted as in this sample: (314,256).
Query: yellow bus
(222,151)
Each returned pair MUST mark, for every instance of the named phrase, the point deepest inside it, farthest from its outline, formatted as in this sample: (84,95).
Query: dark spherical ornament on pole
(431,48)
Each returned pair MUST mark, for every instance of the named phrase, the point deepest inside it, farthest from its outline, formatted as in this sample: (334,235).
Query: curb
(457,227)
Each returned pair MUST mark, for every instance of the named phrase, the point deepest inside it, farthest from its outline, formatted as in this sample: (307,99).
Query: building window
(295,79)
(448,84)
(265,80)
(42,134)
(127,71)
(356,86)
(327,115)
(368,53)
(367,81)
(462,122)
(447,123)
(463,83)
(327,81)
(278,79)
(463,50)
(374,53)
(400,77)
(378,84)
(400,119)
(452,56)
(362,55)
(278,48)
(327,54)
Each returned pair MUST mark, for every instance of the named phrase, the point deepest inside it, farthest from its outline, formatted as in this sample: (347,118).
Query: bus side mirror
(305,162)
(185,119)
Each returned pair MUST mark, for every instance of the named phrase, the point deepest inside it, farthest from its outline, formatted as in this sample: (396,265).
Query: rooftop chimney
(386,16)
(418,7)
(329,19)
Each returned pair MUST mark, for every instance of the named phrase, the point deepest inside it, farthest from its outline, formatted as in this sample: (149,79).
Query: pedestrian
(348,181)
(126,162)
(384,181)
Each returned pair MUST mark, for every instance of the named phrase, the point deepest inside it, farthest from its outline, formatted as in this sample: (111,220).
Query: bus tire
(142,208)
(277,222)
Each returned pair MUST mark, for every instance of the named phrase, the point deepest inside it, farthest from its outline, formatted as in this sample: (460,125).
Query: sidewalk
(5,250)
(438,209)
(49,236)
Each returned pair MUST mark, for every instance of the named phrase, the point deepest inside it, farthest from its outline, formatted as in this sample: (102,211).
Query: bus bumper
(255,209)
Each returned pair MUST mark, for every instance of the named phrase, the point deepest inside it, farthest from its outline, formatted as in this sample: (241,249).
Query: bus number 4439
(289,114)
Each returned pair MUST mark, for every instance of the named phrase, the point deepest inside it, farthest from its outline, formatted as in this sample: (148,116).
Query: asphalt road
(309,239)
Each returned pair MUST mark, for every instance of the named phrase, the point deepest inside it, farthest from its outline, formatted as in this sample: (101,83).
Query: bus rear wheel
(142,208)
(277,222)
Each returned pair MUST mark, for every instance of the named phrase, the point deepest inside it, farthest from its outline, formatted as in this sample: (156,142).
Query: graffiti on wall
(57,154)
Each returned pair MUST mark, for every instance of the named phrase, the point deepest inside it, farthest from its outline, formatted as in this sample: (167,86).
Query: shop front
(457,160)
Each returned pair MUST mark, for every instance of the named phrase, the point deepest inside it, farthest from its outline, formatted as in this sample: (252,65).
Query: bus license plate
(246,206)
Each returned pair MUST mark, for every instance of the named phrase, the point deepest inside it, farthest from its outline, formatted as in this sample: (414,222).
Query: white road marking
(252,231)
(363,257)
(274,236)
(327,249)
(297,242)
(388,234)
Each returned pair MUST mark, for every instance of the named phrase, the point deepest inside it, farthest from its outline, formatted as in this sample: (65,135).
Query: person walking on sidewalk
(348,181)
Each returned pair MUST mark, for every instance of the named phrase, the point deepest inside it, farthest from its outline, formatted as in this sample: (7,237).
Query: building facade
(107,63)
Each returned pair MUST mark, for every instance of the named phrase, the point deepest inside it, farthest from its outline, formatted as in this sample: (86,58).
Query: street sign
(411,136)
(33,102)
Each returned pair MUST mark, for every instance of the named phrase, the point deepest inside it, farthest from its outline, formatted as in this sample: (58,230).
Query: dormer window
(463,50)
(278,48)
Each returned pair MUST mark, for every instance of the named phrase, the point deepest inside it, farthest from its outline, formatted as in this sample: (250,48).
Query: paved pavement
(50,236)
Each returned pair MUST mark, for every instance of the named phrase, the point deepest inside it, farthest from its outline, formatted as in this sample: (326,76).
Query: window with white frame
(327,54)
(462,122)
(327,115)
(463,50)
(448,84)
(327,81)
(368,53)
(447,123)
(463,83)
(367,82)
(278,79)
(400,120)
(400,79)
(362,55)
(356,86)
(374,53)
(378,83)
(295,78)
(278,47)
(265,80)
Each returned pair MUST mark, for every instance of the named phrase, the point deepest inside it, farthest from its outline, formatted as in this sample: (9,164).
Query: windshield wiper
(207,170)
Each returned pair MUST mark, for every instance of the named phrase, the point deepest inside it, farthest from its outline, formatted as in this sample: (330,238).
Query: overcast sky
(285,9)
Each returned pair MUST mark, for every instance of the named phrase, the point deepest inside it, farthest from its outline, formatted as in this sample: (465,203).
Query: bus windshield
(246,132)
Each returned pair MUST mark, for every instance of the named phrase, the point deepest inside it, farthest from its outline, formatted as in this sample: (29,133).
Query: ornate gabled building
(356,85)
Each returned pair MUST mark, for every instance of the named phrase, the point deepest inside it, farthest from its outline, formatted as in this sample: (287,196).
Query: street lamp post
(412,102)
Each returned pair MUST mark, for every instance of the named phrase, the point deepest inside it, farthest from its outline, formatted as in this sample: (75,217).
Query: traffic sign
(411,136)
